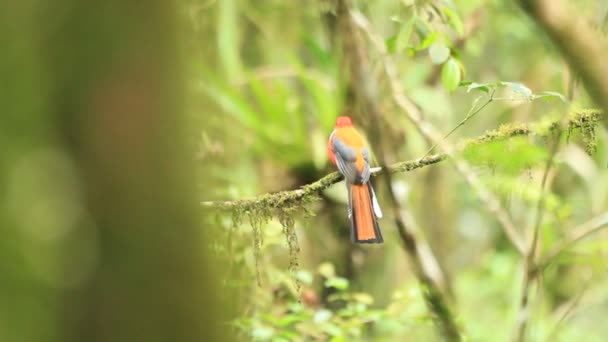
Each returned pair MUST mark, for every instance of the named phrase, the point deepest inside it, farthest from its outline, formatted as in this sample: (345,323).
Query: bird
(348,150)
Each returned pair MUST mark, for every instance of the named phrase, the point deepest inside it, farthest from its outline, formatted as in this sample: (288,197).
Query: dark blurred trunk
(111,76)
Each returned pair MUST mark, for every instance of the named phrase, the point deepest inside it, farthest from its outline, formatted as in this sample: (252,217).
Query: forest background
(164,171)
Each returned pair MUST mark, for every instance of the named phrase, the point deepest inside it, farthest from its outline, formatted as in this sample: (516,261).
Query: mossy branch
(581,119)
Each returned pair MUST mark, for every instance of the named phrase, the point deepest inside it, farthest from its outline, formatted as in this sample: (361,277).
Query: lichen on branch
(585,120)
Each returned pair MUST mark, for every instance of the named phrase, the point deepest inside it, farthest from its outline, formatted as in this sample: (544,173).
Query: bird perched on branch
(349,152)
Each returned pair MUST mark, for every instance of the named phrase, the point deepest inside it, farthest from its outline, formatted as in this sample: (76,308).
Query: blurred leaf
(318,142)
(281,339)
(405,33)
(454,20)
(304,276)
(529,193)
(363,298)
(450,74)
(338,339)
(228,39)
(234,105)
(321,55)
(512,155)
(338,283)
(288,320)
(427,41)
(551,94)
(332,329)
(262,333)
(295,307)
(439,52)
(327,270)
(325,102)
(519,88)
(391,44)
(322,315)
(262,95)
(485,87)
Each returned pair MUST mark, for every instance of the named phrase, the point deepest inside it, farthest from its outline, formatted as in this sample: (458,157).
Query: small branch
(569,309)
(472,112)
(423,261)
(428,131)
(284,198)
(541,201)
(290,197)
(590,227)
(529,262)
(532,271)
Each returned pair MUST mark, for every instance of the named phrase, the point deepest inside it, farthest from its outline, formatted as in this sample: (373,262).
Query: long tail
(363,214)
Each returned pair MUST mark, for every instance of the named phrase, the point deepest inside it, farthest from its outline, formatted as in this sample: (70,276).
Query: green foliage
(280,86)
(345,315)
(451,74)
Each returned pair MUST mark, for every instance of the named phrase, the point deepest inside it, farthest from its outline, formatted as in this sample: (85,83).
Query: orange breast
(352,138)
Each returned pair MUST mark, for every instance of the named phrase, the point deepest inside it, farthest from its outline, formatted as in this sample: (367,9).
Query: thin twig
(590,227)
(541,200)
(472,112)
(279,199)
(529,262)
(365,92)
(428,130)
(571,306)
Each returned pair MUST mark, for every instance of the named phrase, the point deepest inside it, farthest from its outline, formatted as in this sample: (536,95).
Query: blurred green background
(119,119)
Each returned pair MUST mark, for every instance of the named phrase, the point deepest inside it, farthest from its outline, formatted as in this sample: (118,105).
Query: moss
(286,205)
(587,121)
(256,224)
(288,222)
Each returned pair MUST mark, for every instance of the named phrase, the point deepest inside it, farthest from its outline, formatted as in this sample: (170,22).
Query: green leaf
(451,74)
(320,55)
(327,270)
(338,283)
(520,89)
(289,319)
(454,20)
(405,33)
(262,333)
(511,155)
(338,339)
(411,52)
(322,315)
(428,40)
(332,330)
(363,298)
(465,83)
(552,94)
(304,276)
(391,44)
(439,52)
(485,87)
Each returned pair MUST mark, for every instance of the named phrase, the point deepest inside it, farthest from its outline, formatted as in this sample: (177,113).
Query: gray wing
(366,172)
(345,160)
